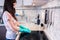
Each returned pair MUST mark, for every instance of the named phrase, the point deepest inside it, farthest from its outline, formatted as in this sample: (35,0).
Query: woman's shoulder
(7,13)
(4,13)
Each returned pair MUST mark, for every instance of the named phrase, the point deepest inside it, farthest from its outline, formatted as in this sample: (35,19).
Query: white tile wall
(54,30)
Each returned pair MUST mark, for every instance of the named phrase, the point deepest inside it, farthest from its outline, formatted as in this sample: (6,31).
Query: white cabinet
(1,2)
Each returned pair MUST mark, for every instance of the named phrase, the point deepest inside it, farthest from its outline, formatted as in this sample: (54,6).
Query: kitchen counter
(34,27)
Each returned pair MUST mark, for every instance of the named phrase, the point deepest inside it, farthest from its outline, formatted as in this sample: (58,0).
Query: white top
(10,34)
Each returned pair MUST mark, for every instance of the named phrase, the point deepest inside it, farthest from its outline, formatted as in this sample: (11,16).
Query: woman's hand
(24,29)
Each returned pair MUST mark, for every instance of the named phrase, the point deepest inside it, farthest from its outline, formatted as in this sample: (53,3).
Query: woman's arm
(21,28)
(11,22)
(15,25)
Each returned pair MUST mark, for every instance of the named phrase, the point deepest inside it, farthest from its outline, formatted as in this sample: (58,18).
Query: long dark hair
(8,6)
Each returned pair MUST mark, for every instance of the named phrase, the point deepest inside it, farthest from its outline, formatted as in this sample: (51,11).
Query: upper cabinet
(34,2)
(1,2)
(28,2)
(39,2)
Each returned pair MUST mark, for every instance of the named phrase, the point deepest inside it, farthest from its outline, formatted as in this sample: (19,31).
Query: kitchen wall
(54,29)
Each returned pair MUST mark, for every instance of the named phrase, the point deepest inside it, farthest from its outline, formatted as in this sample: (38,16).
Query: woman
(10,21)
